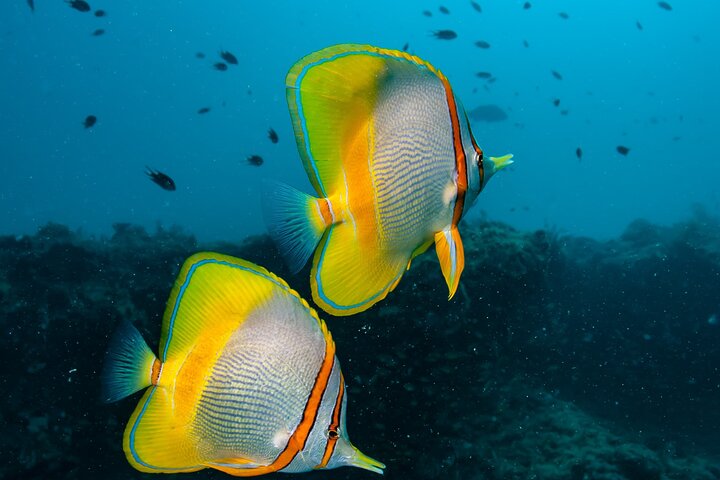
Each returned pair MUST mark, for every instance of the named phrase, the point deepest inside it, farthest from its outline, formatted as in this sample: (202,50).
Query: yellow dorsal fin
(451,254)
(331,95)
(208,287)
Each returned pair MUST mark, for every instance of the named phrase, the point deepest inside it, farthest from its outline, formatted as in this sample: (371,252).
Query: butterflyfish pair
(388,149)
(246,380)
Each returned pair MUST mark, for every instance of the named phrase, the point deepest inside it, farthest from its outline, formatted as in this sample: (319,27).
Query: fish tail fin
(296,222)
(451,254)
(129,366)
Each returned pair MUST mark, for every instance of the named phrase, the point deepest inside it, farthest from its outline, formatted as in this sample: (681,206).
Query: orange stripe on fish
(155,372)
(333,433)
(460,165)
(326,211)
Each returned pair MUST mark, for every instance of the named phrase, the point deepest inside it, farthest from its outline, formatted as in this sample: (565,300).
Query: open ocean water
(584,341)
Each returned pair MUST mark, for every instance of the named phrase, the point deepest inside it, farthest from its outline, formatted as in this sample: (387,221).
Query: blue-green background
(654,91)
(561,357)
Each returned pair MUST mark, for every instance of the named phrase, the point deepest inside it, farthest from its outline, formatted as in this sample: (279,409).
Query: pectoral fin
(451,254)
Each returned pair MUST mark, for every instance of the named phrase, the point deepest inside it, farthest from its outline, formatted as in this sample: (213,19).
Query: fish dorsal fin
(451,254)
(211,295)
(331,95)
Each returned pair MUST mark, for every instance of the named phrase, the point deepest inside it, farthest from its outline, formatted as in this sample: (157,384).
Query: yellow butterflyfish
(389,151)
(246,380)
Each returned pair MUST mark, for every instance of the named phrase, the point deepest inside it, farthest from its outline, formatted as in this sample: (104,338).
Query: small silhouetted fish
(525,44)
(220,66)
(203,110)
(556,74)
(405,47)
(622,150)
(199,55)
(165,182)
(556,102)
(90,120)
(638,25)
(445,34)
(255,160)
(273,136)
(488,113)
(100,13)
(527,5)
(564,112)
(444,10)
(79,5)
(578,153)
(476,6)
(98,32)
(483,74)
(427,13)
(482,44)
(563,15)
(229,58)
(31,4)
(665,6)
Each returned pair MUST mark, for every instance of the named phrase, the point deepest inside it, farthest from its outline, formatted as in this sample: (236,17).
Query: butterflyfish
(246,380)
(388,149)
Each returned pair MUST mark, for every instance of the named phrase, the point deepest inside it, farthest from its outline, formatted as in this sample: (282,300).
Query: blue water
(652,90)
(559,357)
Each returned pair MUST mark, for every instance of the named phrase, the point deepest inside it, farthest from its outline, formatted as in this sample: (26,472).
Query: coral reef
(558,358)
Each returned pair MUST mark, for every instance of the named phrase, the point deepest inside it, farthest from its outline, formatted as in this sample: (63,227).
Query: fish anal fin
(451,254)
(349,276)
(155,441)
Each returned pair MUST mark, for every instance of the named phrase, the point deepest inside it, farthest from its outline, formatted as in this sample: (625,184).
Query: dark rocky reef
(558,358)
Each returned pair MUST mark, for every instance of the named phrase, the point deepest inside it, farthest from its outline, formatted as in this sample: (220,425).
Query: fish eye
(333,433)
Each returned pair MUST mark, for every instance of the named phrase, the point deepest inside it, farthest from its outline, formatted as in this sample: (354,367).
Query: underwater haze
(583,342)
(632,74)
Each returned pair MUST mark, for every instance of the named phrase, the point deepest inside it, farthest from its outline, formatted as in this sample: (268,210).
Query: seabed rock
(558,358)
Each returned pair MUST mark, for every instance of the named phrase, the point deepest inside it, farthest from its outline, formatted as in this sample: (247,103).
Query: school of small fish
(226,59)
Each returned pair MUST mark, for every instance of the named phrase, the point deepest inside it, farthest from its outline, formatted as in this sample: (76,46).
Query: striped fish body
(247,381)
(389,151)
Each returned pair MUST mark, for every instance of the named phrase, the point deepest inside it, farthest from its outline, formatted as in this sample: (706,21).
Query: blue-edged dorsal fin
(331,94)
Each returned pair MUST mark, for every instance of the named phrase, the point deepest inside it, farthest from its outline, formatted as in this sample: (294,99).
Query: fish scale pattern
(259,385)
(414,159)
